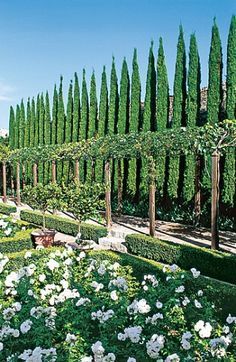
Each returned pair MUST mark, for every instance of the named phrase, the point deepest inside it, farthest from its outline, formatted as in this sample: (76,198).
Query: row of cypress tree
(121,111)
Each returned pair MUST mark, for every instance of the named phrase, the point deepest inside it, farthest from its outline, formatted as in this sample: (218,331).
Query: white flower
(139,306)
(71,338)
(154,345)
(52,264)
(28,254)
(17,306)
(204,329)
(230,319)
(42,277)
(133,333)
(87,359)
(97,286)
(174,267)
(159,304)
(110,357)
(82,301)
(114,295)
(172,358)
(131,359)
(8,231)
(25,326)
(1,346)
(195,272)
(180,289)
(197,304)
(102,269)
(200,293)
(98,349)
(185,301)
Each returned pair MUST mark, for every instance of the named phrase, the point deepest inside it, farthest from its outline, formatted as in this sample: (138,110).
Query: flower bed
(69,307)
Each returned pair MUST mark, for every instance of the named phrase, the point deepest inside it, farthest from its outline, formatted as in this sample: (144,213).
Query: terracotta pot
(44,238)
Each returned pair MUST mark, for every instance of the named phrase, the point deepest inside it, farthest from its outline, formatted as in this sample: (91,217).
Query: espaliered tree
(68,130)
(113,118)
(162,109)
(47,137)
(179,116)
(84,123)
(102,121)
(60,128)
(122,128)
(192,117)
(12,128)
(135,125)
(228,192)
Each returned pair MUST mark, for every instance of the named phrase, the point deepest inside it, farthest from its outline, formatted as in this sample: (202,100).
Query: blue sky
(41,39)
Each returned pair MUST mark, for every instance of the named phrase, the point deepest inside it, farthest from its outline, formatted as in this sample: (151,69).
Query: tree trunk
(54,171)
(4,182)
(119,188)
(12,182)
(77,171)
(23,177)
(152,211)
(108,194)
(197,200)
(35,169)
(215,181)
(18,200)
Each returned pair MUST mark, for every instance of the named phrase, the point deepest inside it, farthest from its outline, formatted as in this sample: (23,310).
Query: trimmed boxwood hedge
(7,209)
(61,224)
(215,264)
(21,241)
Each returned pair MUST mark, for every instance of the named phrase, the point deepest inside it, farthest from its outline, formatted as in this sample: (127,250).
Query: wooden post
(4,182)
(197,200)
(152,201)
(119,188)
(108,194)
(76,173)
(215,180)
(35,178)
(54,180)
(18,200)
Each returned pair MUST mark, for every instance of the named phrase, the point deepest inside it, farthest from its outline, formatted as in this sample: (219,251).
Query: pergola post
(215,181)
(108,194)
(152,201)
(197,198)
(18,198)
(4,182)
(35,176)
(54,178)
(76,172)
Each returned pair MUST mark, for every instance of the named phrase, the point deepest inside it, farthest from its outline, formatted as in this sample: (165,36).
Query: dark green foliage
(21,241)
(114,102)
(32,124)
(60,128)
(135,120)
(149,116)
(214,97)
(12,129)
(7,209)
(192,114)
(22,125)
(27,139)
(41,136)
(93,108)
(47,137)
(84,124)
(54,117)
(179,117)
(162,109)
(64,225)
(36,129)
(103,106)
(228,192)
(214,264)
(17,126)
(68,130)
(76,111)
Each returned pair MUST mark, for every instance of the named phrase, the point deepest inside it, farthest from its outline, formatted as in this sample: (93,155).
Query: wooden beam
(108,194)
(215,181)
(4,182)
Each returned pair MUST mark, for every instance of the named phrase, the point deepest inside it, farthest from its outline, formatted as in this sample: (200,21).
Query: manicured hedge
(21,241)
(61,224)
(218,265)
(7,209)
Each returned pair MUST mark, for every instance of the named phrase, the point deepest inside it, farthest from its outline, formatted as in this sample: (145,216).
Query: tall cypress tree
(192,114)
(27,138)
(60,127)
(41,136)
(149,115)
(162,109)
(12,128)
(179,117)
(113,117)
(17,127)
(54,117)
(37,113)
(84,123)
(135,124)
(68,129)
(93,108)
(32,124)
(123,117)
(228,192)
(102,121)
(47,137)
(22,125)
(76,111)
(214,97)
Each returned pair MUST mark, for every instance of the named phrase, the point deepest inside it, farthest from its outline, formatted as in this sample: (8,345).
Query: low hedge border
(66,226)
(211,263)
(7,209)
(21,241)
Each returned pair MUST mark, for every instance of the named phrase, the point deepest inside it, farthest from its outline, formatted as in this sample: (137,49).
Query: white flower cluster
(154,345)
(3,261)
(102,316)
(38,353)
(195,272)
(26,326)
(139,306)
(219,346)
(204,329)
(149,279)
(4,226)
(230,319)
(133,333)
(185,340)
(119,283)
(97,286)
(154,319)
(98,354)
(180,289)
